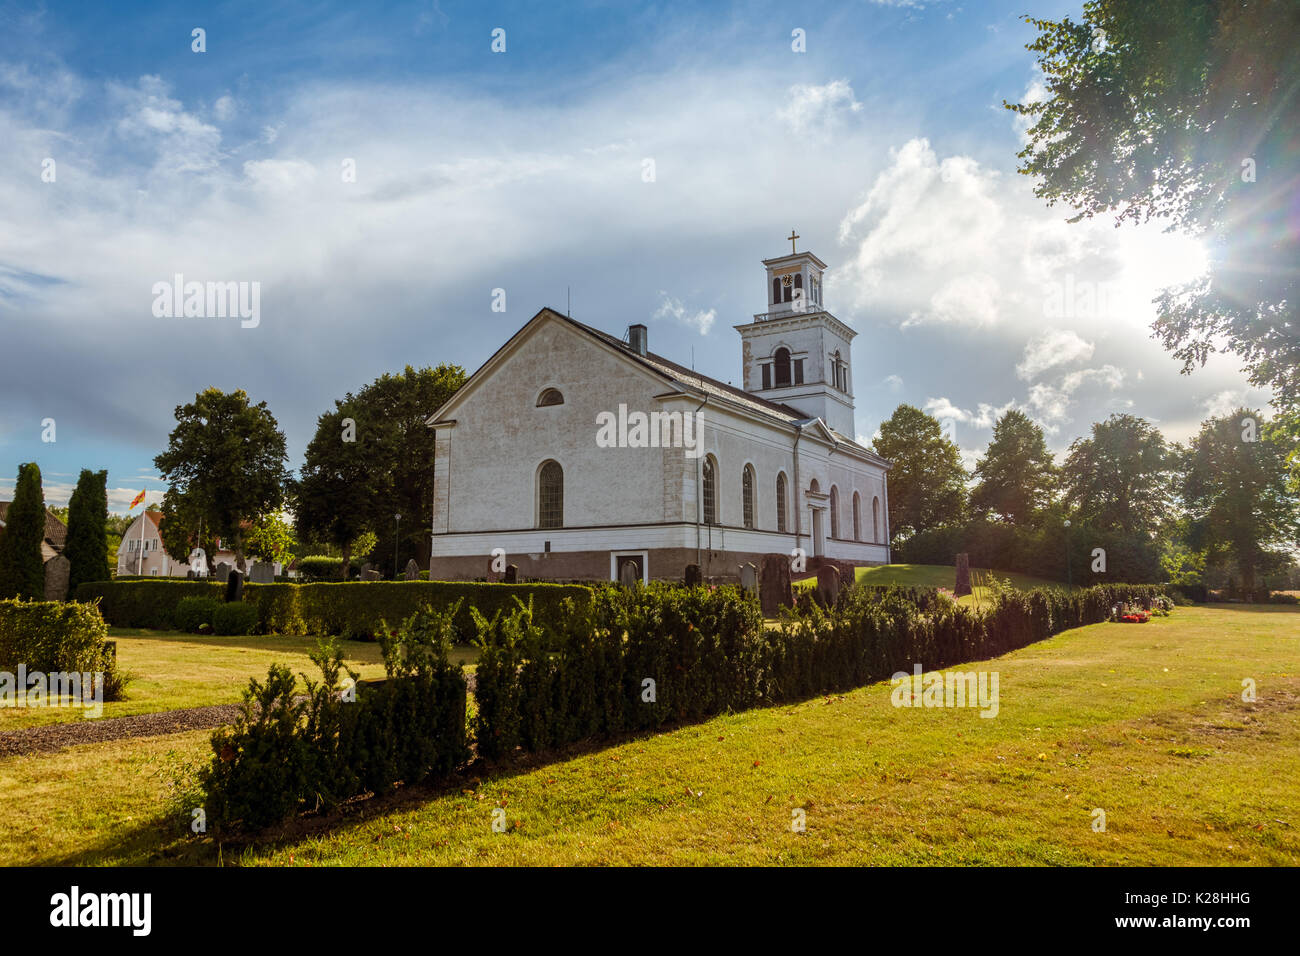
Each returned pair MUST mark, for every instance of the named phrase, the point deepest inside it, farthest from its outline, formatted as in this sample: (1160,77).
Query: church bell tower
(796,352)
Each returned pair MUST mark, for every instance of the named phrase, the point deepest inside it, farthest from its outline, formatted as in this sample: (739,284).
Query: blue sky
(884,144)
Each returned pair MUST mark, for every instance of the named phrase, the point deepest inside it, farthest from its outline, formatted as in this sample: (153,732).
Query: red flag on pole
(138,498)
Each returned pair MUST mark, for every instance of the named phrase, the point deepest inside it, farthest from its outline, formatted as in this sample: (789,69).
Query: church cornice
(765,322)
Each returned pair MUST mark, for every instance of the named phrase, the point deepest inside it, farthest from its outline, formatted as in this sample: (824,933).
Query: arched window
(550,396)
(788,287)
(747,496)
(780,501)
(782,362)
(550,495)
(798,280)
(875,520)
(710,491)
(776,290)
(835,512)
(857,517)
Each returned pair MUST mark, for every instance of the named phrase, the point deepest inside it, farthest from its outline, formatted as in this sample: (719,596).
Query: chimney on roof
(637,338)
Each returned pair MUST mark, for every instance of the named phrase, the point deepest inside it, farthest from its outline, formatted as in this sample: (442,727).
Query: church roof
(689,379)
(56,532)
(699,382)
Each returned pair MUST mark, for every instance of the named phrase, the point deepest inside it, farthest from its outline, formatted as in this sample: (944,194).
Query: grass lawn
(1145,722)
(173,670)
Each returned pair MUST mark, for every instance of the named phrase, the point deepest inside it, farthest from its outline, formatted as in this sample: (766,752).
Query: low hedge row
(622,660)
(287,752)
(50,636)
(591,671)
(351,609)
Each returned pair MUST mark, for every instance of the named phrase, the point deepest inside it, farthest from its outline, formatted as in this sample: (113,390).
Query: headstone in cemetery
(365,569)
(694,576)
(234,586)
(828,585)
(370,574)
(749,577)
(58,570)
(493,575)
(512,574)
(412,570)
(223,571)
(263,572)
(963,575)
(774,584)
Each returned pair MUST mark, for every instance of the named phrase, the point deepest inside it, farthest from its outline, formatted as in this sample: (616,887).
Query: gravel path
(52,737)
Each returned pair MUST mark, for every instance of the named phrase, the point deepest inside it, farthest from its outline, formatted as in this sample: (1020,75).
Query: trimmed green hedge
(548,680)
(51,636)
(353,608)
(287,752)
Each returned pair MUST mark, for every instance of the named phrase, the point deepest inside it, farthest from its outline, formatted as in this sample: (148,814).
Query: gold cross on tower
(792,237)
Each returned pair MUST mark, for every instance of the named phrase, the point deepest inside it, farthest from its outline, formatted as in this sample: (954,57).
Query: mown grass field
(1145,722)
(173,670)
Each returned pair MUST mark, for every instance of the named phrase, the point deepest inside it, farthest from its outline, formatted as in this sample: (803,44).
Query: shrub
(321,567)
(193,614)
(353,608)
(50,636)
(287,753)
(234,618)
(22,568)
(591,670)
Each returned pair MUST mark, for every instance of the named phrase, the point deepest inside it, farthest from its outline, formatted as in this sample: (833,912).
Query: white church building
(577,455)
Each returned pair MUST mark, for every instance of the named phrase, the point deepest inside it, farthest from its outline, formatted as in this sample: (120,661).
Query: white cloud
(818,109)
(1054,347)
(1051,403)
(984,416)
(224,108)
(699,320)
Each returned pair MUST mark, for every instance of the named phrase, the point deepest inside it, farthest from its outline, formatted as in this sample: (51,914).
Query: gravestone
(512,574)
(223,571)
(234,586)
(365,569)
(370,574)
(263,572)
(828,585)
(694,577)
(57,571)
(493,575)
(963,575)
(748,577)
(412,570)
(774,584)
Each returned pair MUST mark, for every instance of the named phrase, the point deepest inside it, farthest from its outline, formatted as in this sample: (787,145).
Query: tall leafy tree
(927,485)
(1118,479)
(87,545)
(22,569)
(226,457)
(1187,116)
(1234,487)
(1017,475)
(346,488)
(332,496)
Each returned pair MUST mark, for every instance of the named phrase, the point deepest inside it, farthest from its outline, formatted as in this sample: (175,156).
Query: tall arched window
(780,501)
(875,520)
(857,517)
(710,491)
(550,495)
(776,290)
(835,512)
(782,362)
(550,396)
(747,495)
